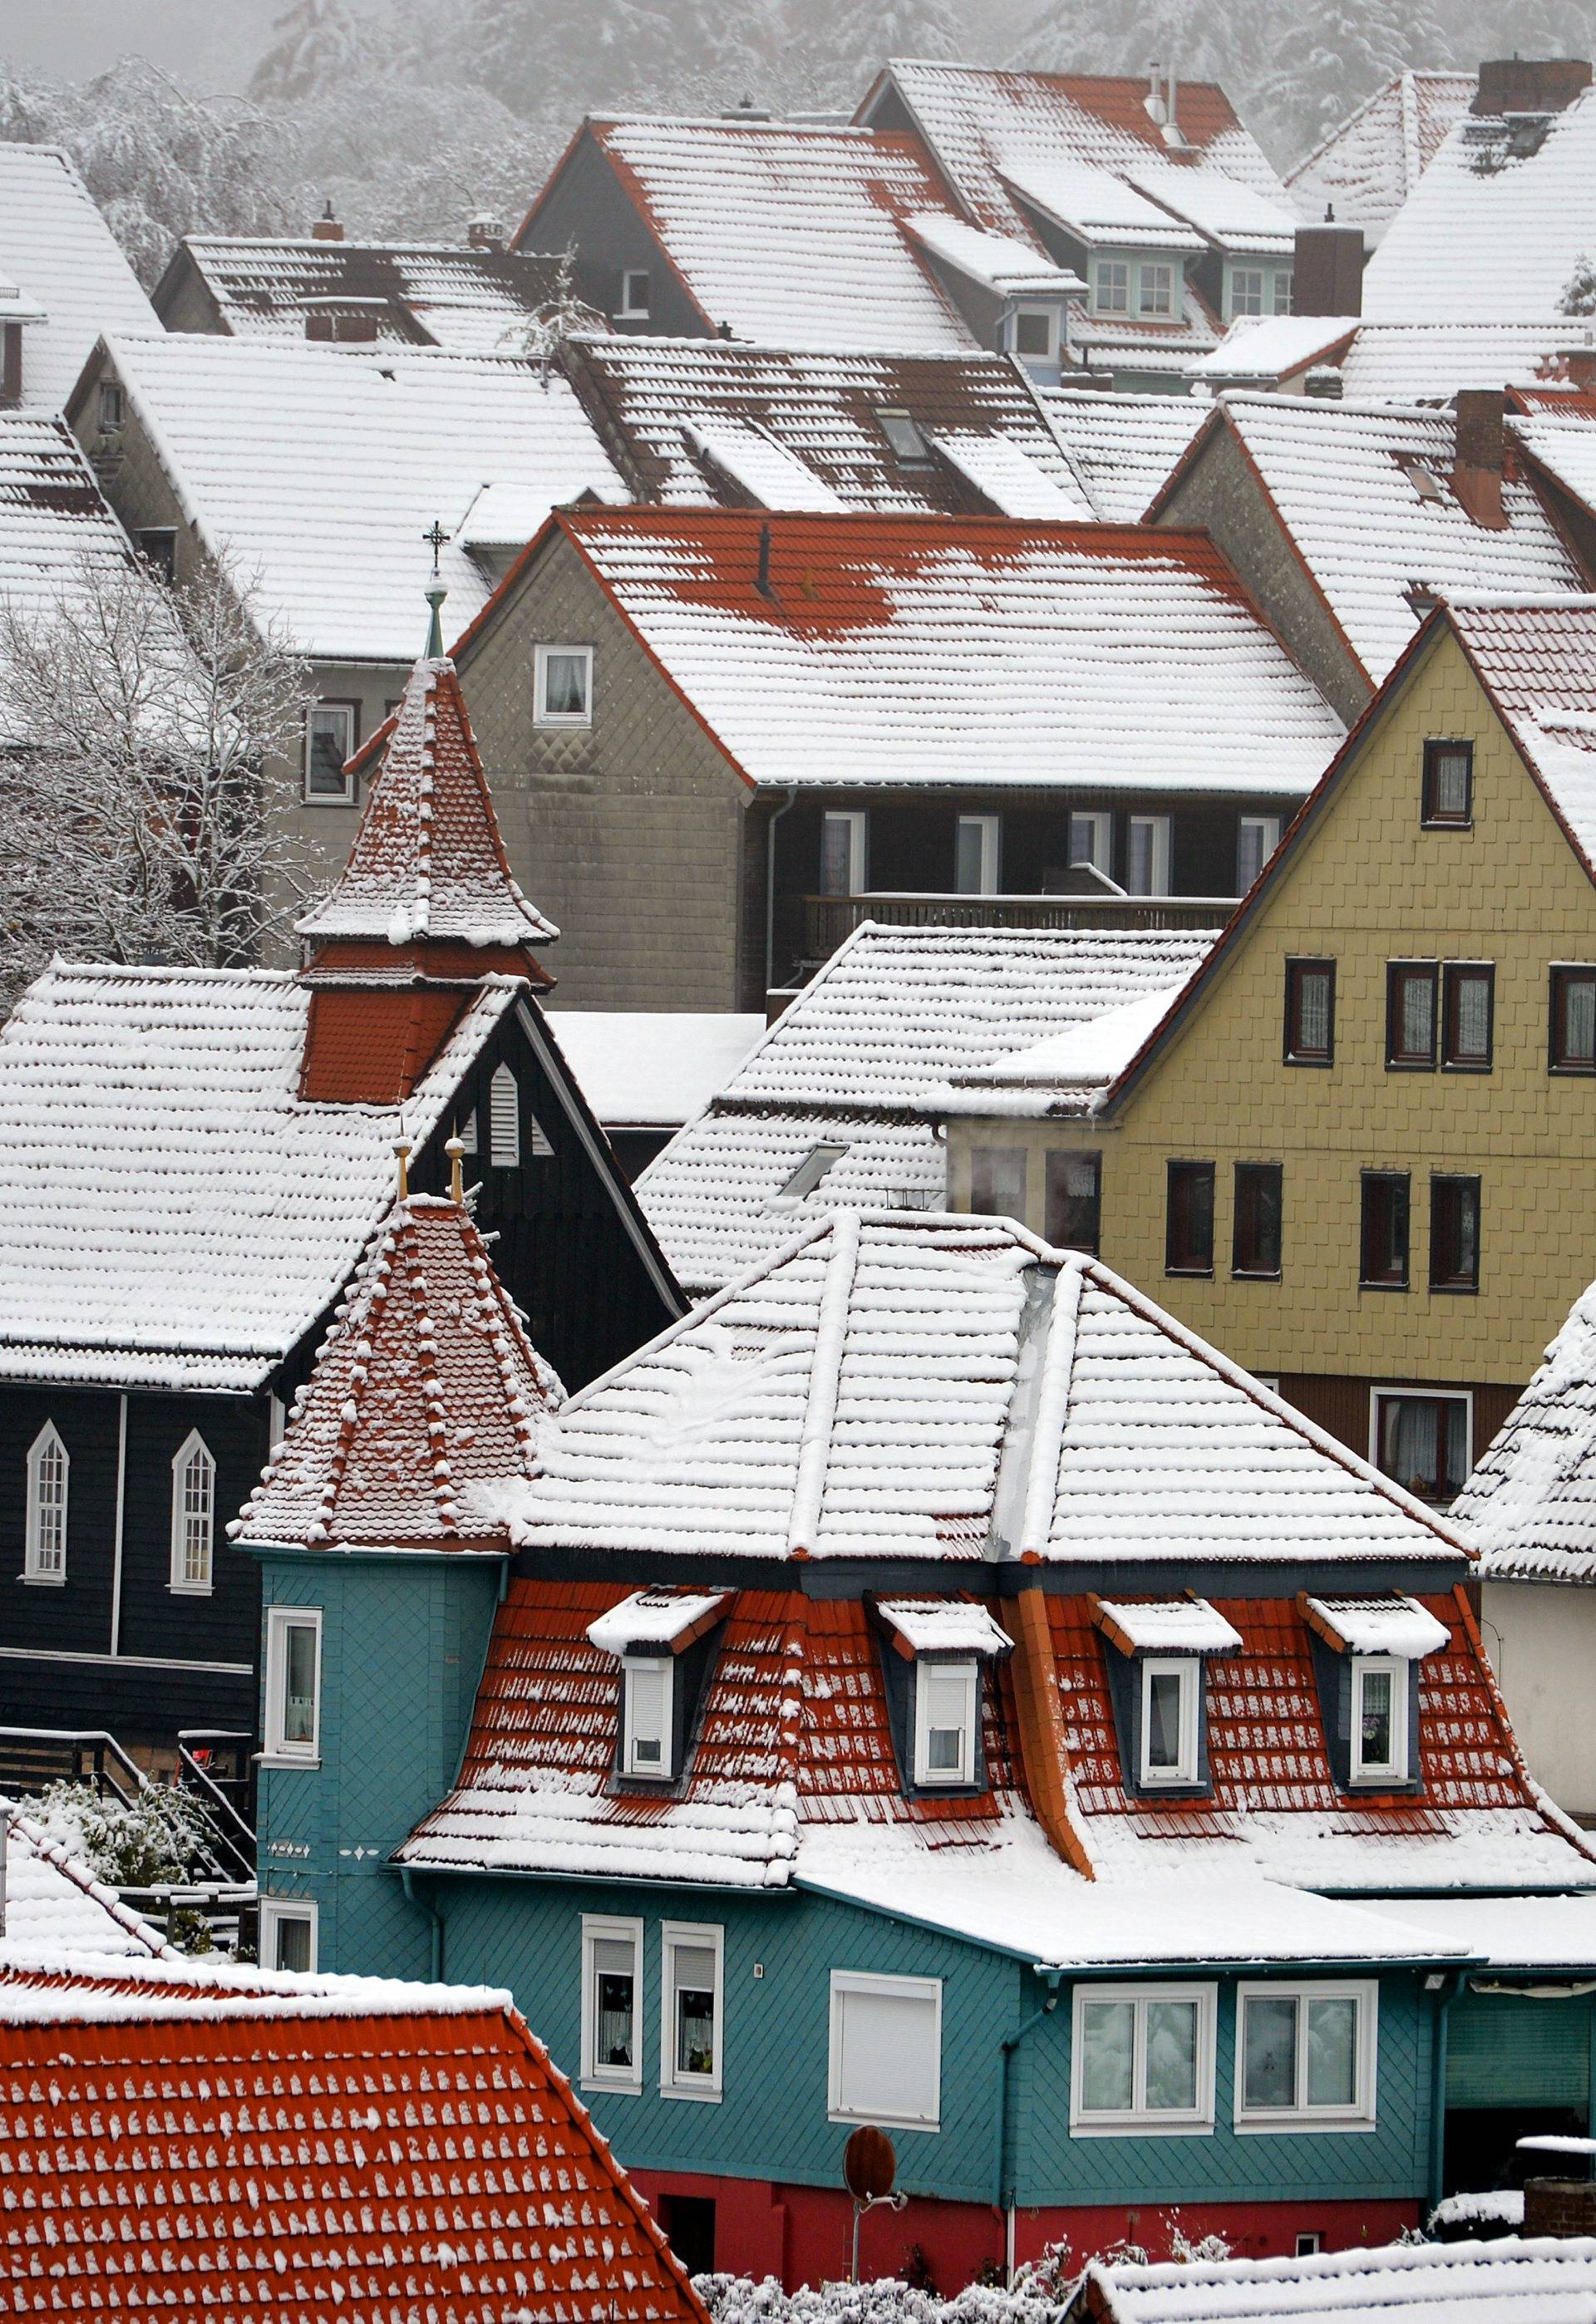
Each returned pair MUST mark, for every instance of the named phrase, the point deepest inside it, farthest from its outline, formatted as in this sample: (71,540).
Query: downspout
(1051,1979)
(119,1522)
(770,888)
(1451,1985)
(412,1895)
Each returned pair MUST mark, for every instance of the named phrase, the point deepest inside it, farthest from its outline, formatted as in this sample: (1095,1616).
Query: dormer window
(1156,290)
(646,1704)
(1365,1653)
(662,1640)
(907,442)
(1171,1692)
(946,1699)
(1111,283)
(935,1650)
(1157,1650)
(1380,1719)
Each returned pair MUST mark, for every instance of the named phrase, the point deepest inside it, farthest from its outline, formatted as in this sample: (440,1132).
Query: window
(1188,1224)
(1075,1201)
(811,1171)
(563,680)
(1305,2056)
(193,1515)
(157,545)
(1309,2240)
(634,295)
(1143,2059)
(907,442)
(504,1120)
(648,1690)
(945,1697)
(1147,855)
(1171,1691)
(612,1992)
(1573,1048)
(1310,1012)
(1383,1264)
(997,1181)
(294,1685)
(1035,329)
(44,1557)
(331,739)
(1380,1719)
(1426,485)
(975,862)
(1468,1009)
(1113,286)
(1410,1013)
(465,1132)
(1283,291)
(1247,291)
(1255,1243)
(1257,838)
(1455,1234)
(690,2014)
(843,837)
(886,2050)
(112,407)
(1448,784)
(1422,1441)
(1091,839)
(287,1933)
(1156,290)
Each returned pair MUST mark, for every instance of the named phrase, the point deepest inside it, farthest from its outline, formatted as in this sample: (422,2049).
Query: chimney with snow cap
(327,228)
(486,232)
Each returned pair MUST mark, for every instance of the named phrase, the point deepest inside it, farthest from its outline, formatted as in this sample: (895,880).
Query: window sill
(1255,1275)
(1192,1274)
(1139,2126)
(889,2121)
(693,2098)
(1411,1065)
(615,2089)
(1458,1066)
(1572,1073)
(562,725)
(1455,1290)
(1446,823)
(1383,1286)
(1314,1064)
(326,799)
(190,1588)
(43,1580)
(1294,2124)
(281,1760)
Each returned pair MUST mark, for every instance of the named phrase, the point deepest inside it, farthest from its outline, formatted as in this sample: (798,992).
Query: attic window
(1426,485)
(563,680)
(648,1689)
(504,1121)
(634,296)
(946,1699)
(907,442)
(44,1557)
(112,406)
(810,1172)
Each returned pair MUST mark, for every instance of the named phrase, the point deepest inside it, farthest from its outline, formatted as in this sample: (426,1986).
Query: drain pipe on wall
(1447,1990)
(1051,1979)
(413,1896)
(770,889)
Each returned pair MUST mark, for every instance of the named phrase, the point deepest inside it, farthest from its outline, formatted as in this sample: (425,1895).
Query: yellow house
(1358,1149)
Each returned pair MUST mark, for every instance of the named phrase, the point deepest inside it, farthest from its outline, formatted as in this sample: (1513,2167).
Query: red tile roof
(218,2145)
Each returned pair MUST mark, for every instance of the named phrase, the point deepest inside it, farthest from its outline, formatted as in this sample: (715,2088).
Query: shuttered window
(886,2050)
(504,1121)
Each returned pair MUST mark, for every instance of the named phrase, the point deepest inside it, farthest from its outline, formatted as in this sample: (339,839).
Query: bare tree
(145,737)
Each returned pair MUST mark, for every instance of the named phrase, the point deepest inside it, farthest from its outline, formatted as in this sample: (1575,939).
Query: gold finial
(401,1148)
(455,1148)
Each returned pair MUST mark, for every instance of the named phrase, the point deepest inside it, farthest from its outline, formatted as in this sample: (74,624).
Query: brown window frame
(1254,1176)
(1398,974)
(1439,1403)
(1432,815)
(1454,1280)
(1055,1163)
(1370,1179)
(349,795)
(1562,974)
(1291,1053)
(1453,974)
(1186,1174)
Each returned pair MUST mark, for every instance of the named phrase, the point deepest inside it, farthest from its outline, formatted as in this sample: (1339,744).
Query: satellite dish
(869,2165)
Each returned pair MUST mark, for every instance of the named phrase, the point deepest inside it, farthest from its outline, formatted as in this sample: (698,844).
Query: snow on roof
(1565,448)
(1538,663)
(175,1214)
(1539,2281)
(54,1905)
(902,650)
(983,124)
(52,513)
(470,302)
(1270,348)
(1009,478)
(1507,1933)
(1378,1626)
(1490,233)
(317,471)
(1188,1625)
(644,1069)
(766,471)
(1342,479)
(1530,1506)
(1098,208)
(1062,1073)
(59,253)
(791,235)
(847,1064)
(655,1618)
(424,1402)
(823,407)
(1123,446)
(428,862)
(945,1626)
(1367,167)
(1415,363)
(1234,218)
(1000,262)
(207,2089)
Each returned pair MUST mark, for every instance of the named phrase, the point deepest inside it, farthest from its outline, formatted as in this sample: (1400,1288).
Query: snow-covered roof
(903,651)
(1230,215)
(1187,1625)
(1063,1073)
(1415,363)
(791,235)
(174,1213)
(999,263)
(1351,484)
(471,302)
(945,1626)
(1492,232)
(52,513)
(1123,447)
(823,408)
(1378,1626)
(1565,448)
(1099,208)
(1537,661)
(1009,478)
(655,1618)
(645,1069)
(317,470)
(1367,167)
(1530,1506)
(1270,348)
(847,1064)
(1540,2281)
(761,470)
(59,252)
(54,1905)
(1507,1933)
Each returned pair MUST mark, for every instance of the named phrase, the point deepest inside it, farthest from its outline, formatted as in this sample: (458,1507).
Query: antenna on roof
(437,590)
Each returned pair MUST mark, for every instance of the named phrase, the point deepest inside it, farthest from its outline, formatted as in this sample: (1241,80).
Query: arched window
(44,1558)
(193,1514)
(504,1121)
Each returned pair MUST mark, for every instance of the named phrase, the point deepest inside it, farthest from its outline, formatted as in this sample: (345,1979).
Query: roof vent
(486,232)
(745,109)
(327,228)
(1324,382)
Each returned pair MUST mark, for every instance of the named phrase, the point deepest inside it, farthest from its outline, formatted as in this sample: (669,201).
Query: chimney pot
(1328,278)
(487,233)
(327,228)
(1580,364)
(1530,84)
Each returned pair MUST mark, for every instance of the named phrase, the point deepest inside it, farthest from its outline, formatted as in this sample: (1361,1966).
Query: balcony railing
(827,919)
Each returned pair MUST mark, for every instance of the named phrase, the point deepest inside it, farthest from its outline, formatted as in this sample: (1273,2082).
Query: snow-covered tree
(1579,293)
(562,316)
(144,778)
(316,43)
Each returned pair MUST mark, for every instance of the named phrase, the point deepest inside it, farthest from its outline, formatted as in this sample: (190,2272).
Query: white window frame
(1147,272)
(1384,1389)
(1361,2115)
(1284,304)
(1159,881)
(1251,274)
(1269,828)
(897,1989)
(598,1928)
(503,1129)
(1033,310)
(1364,1773)
(560,718)
(1102,858)
(279,1751)
(350,708)
(967,1670)
(712,1937)
(180,1581)
(1099,268)
(990,828)
(664,1772)
(274,1911)
(858,824)
(1188,1670)
(629,312)
(52,1577)
(1138,2120)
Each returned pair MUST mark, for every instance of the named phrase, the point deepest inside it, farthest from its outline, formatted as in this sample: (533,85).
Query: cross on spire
(436,539)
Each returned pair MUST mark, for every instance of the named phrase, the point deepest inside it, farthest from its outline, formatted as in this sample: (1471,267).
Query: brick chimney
(1579,361)
(1530,84)
(1329,277)
(1560,2206)
(1480,455)
(486,232)
(327,228)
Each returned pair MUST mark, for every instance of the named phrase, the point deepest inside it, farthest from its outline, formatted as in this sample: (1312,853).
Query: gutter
(1450,1987)
(771,887)
(412,1896)
(1051,1979)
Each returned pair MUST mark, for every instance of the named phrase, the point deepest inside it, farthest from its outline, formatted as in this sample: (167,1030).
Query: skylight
(1426,483)
(902,434)
(811,1170)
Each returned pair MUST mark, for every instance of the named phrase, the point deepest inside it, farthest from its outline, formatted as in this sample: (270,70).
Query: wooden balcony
(827,919)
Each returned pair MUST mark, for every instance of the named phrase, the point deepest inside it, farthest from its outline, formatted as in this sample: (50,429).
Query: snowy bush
(738,2299)
(159,1836)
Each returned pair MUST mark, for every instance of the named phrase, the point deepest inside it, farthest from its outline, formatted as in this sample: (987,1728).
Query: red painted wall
(802,2234)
